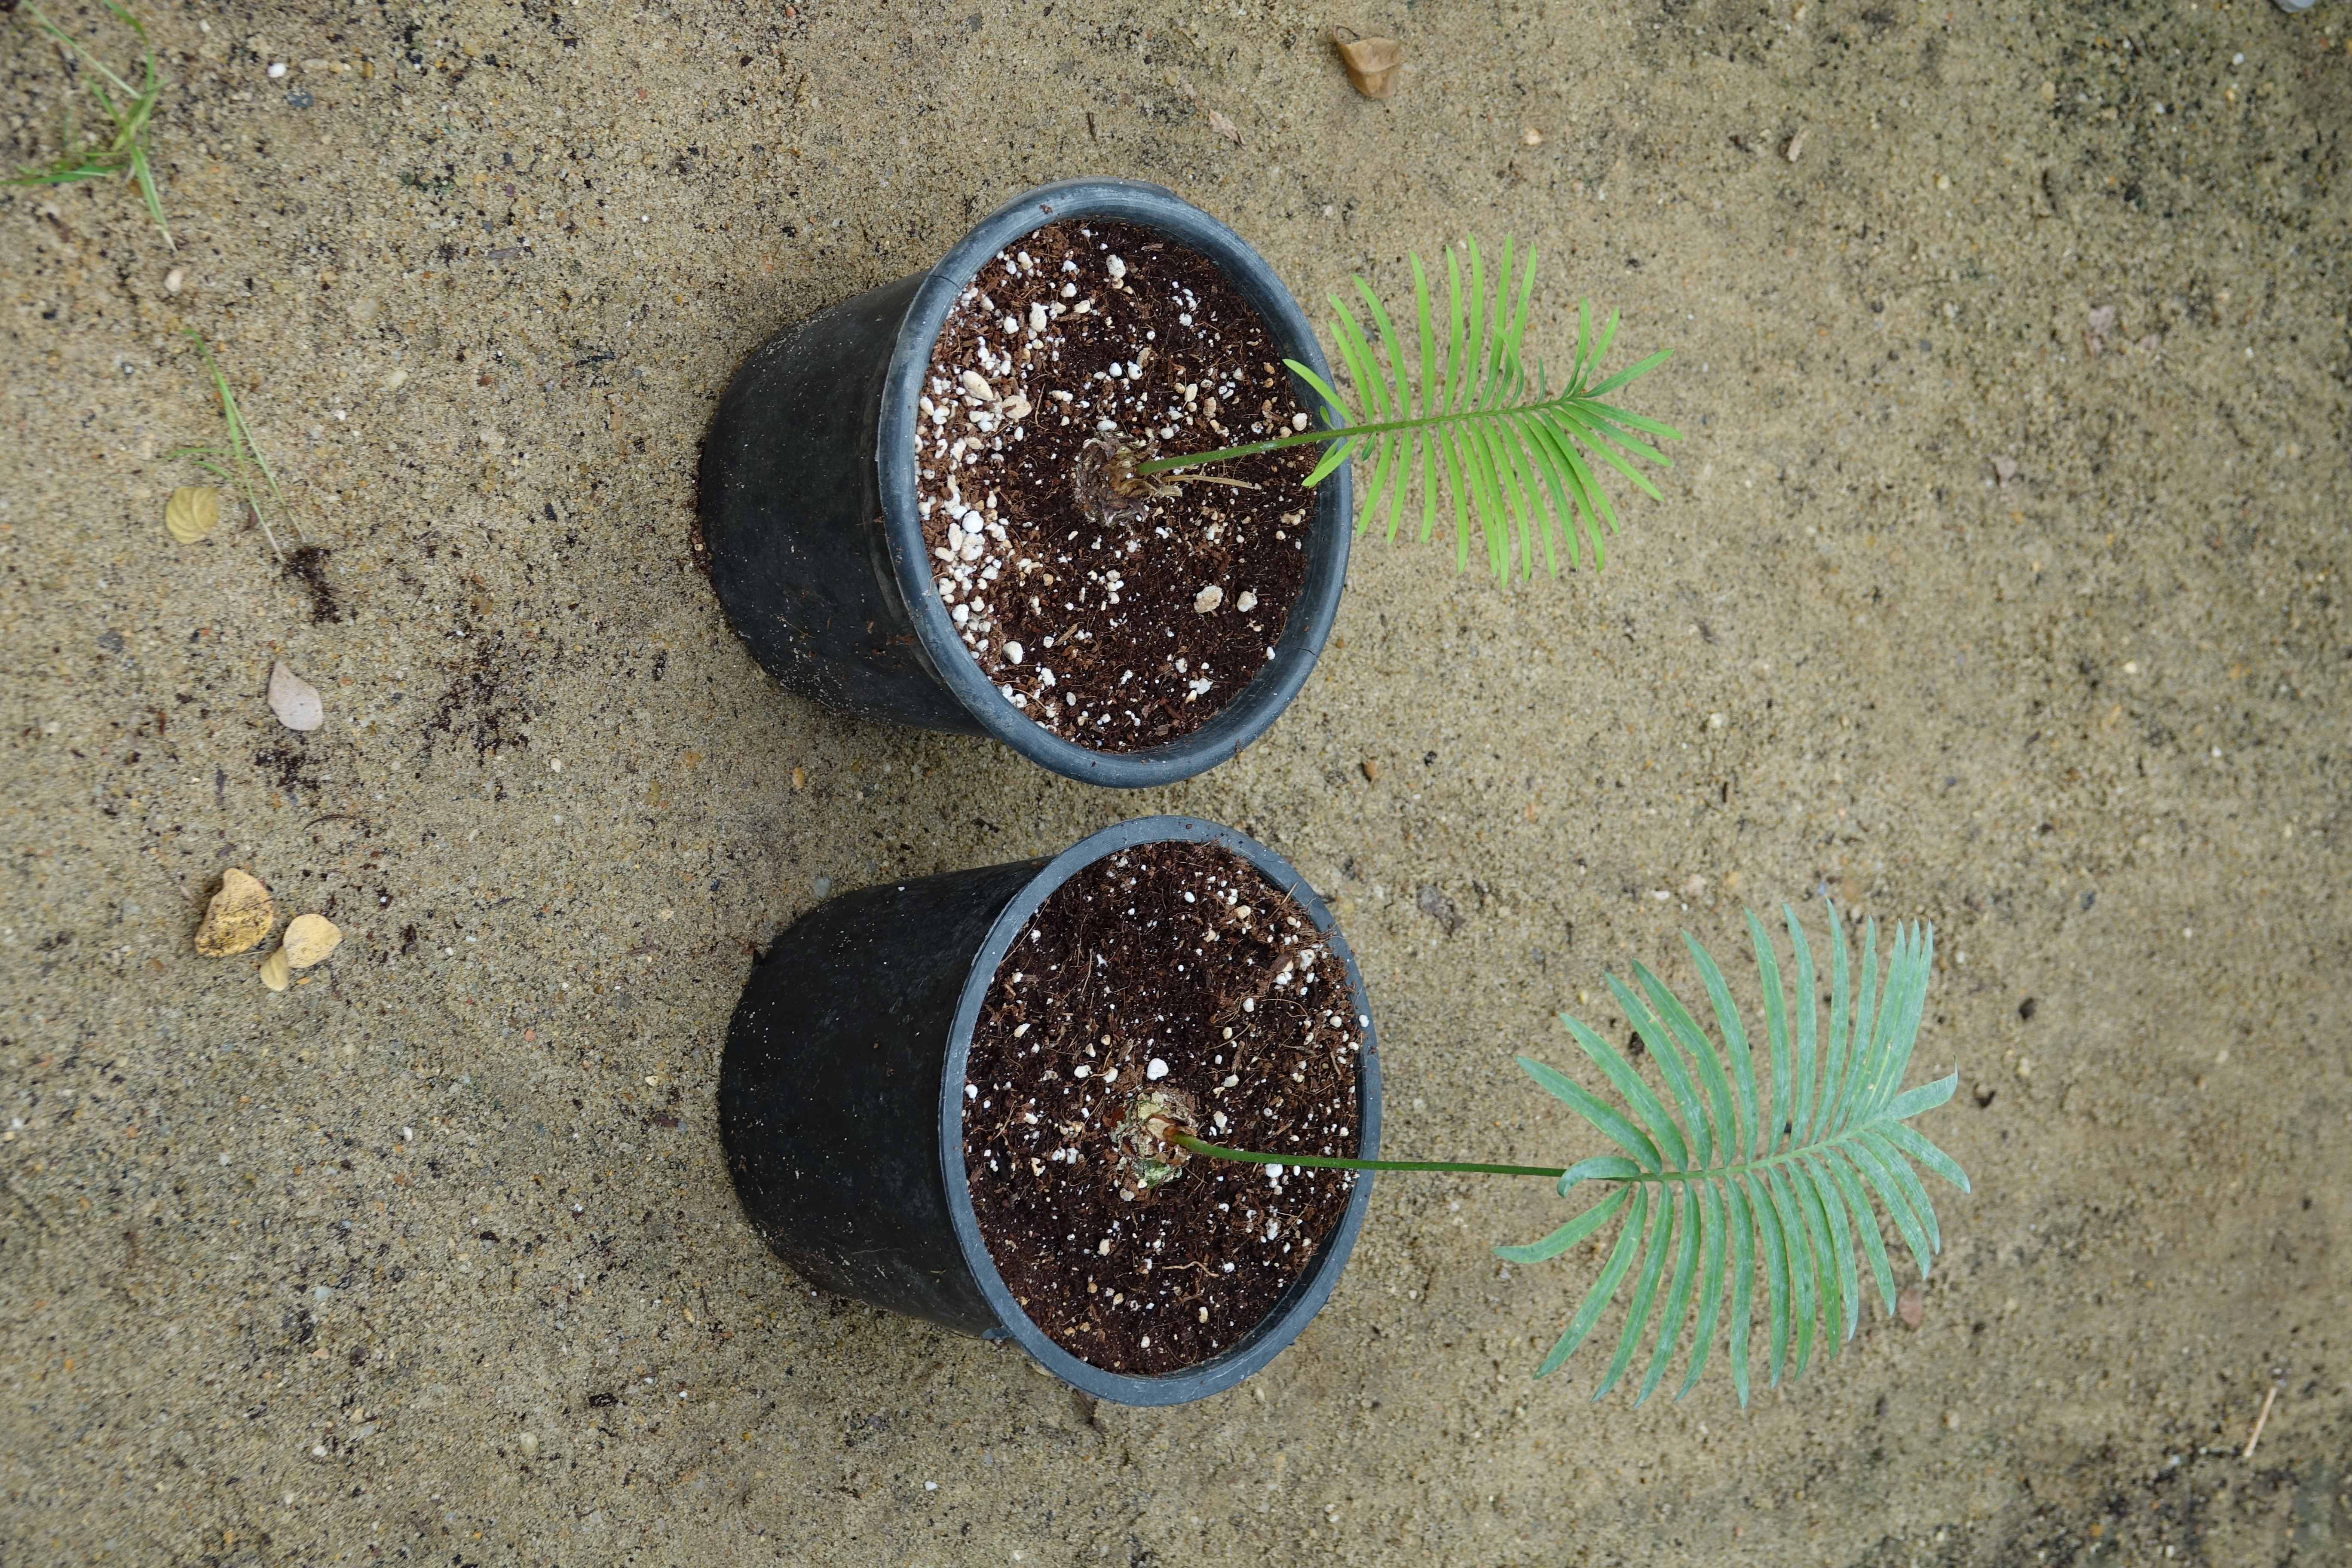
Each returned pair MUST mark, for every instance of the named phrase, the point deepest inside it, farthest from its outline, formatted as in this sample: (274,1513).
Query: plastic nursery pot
(808,504)
(841,1109)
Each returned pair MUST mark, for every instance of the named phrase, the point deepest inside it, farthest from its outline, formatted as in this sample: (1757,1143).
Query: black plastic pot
(808,505)
(841,1109)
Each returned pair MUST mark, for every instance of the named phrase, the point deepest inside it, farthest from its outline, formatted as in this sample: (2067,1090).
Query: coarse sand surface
(2000,582)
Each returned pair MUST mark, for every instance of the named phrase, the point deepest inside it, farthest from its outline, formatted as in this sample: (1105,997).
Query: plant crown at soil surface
(1126,625)
(1771,1179)
(1172,978)
(1514,458)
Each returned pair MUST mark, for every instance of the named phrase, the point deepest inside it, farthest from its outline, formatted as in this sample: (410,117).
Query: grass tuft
(128,110)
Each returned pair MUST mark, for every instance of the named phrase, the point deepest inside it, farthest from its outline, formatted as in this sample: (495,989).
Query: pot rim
(1297,1306)
(1253,708)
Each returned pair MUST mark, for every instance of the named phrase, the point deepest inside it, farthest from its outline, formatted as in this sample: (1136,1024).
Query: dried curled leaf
(238,916)
(310,939)
(1372,63)
(192,511)
(294,699)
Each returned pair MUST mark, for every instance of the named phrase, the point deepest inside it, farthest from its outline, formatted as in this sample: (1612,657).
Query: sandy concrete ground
(286,1279)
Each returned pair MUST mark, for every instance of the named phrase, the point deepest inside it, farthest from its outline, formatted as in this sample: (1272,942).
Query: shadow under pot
(906,509)
(943,1097)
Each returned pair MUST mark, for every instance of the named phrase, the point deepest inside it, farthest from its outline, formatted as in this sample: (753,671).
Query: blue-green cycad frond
(1726,1183)
(1515,458)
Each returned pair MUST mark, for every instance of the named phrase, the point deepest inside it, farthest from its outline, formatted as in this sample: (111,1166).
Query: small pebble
(977,385)
(173,279)
(1116,267)
(528,1444)
(1531,137)
(1157,1070)
(276,69)
(309,940)
(1013,653)
(1246,602)
(1796,148)
(1208,598)
(239,915)
(294,699)
(275,970)
(1911,1305)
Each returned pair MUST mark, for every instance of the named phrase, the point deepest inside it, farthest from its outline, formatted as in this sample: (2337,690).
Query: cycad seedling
(1515,459)
(1737,1183)
(128,108)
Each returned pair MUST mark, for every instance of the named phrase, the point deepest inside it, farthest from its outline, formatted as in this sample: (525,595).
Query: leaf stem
(1425,422)
(1643,1178)
(1327,1163)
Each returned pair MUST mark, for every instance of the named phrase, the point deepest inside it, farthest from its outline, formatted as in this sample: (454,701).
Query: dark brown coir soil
(1121,635)
(1172,967)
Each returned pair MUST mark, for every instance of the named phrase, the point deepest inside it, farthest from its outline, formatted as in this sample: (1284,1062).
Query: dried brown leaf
(192,511)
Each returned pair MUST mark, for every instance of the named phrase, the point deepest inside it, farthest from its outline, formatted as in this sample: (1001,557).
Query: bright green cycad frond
(1448,401)
(1517,461)
(1736,1182)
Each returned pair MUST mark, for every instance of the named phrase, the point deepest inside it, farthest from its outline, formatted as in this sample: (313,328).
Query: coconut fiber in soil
(1171,968)
(1126,634)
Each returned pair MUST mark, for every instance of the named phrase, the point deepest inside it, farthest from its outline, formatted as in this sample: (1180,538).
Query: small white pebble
(1299,422)
(1208,598)
(1102,1248)
(1013,653)
(1115,267)
(1157,1070)
(975,385)
(276,69)
(1245,602)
